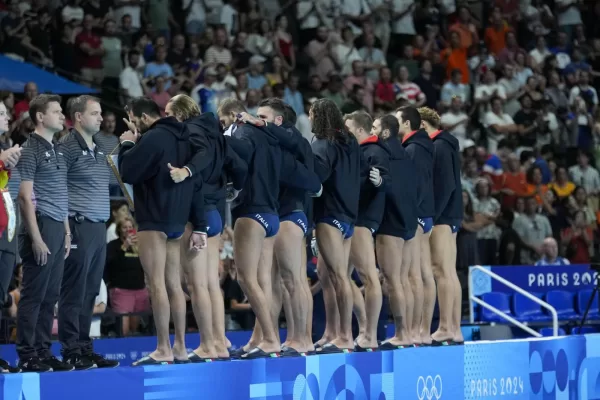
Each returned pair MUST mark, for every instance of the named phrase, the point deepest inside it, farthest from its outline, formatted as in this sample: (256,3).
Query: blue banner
(542,279)
(551,368)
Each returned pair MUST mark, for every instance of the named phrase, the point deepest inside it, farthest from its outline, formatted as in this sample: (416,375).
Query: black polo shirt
(44,164)
(87,178)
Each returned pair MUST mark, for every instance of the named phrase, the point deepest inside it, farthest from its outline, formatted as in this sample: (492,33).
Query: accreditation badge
(11,215)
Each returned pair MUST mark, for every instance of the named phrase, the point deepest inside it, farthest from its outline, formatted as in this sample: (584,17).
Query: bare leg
(358,305)
(362,254)
(134,324)
(216,298)
(195,266)
(457,312)
(335,251)
(309,302)
(440,240)
(176,297)
(428,290)
(416,282)
(288,247)
(125,325)
(389,255)
(332,315)
(289,320)
(274,287)
(251,248)
(408,290)
(153,256)
(272,293)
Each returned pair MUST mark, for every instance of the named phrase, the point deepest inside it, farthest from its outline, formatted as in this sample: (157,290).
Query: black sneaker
(80,363)
(34,364)
(57,365)
(100,361)
(6,368)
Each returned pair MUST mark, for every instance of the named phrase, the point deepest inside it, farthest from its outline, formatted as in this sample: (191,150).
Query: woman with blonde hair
(213,160)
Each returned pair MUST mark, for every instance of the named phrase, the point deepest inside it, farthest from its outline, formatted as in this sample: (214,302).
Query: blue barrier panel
(548,368)
(572,278)
(381,375)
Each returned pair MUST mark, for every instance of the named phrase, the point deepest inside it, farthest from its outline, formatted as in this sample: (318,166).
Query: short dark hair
(361,119)
(39,104)
(289,115)
(277,105)
(143,105)
(411,114)
(390,123)
(79,104)
(133,53)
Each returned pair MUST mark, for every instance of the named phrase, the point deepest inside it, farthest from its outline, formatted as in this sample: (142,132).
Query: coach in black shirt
(45,237)
(89,209)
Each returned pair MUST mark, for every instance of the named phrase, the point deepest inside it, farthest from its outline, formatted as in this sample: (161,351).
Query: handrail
(517,289)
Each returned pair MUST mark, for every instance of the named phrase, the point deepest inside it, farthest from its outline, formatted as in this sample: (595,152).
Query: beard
(143,128)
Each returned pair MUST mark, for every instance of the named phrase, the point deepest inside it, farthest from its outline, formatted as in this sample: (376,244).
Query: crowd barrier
(550,368)
(538,280)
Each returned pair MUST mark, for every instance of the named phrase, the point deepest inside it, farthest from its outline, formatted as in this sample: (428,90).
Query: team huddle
(383,193)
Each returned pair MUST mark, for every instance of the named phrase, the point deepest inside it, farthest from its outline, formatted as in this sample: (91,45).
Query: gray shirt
(88,177)
(532,230)
(44,164)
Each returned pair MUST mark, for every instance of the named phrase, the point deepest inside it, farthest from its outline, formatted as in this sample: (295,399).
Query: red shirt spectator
(384,88)
(31,90)
(89,43)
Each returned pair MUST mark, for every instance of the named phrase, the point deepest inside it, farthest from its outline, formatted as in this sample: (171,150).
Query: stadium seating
(501,301)
(583,331)
(527,310)
(562,301)
(583,298)
(549,332)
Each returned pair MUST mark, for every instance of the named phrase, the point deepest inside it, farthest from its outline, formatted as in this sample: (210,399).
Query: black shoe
(80,363)
(34,364)
(6,368)
(100,361)
(57,365)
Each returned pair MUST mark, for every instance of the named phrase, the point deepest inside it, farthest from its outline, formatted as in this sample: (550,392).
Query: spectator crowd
(515,81)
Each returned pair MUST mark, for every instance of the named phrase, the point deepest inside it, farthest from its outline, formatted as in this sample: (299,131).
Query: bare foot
(162,356)
(399,341)
(204,354)
(343,344)
(180,353)
(269,347)
(366,344)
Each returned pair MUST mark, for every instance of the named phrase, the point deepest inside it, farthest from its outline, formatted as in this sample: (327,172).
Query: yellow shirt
(3,179)
(562,191)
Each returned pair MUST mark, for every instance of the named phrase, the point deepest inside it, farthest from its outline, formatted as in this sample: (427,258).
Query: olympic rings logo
(429,387)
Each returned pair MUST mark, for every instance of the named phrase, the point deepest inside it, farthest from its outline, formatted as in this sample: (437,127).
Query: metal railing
(475,299)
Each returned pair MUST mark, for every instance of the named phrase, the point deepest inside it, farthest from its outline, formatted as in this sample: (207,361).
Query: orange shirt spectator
(495,38)
(539,191)
(465,28)
(513,185)
(495,34)
(456,58)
